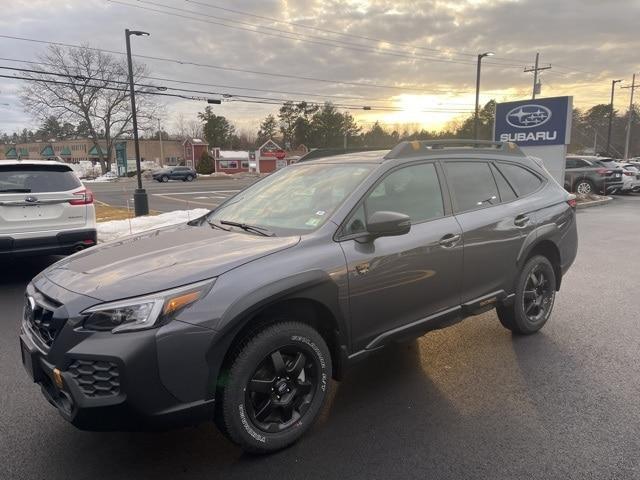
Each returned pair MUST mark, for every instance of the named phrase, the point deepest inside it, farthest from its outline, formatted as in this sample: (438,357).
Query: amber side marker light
(57,378)
(176,303)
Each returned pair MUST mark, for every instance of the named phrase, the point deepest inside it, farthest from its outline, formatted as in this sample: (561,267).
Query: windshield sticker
(313,222)
(320,212)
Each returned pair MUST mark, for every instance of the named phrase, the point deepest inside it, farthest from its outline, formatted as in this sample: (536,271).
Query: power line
(335,32)
(300,37)
(232,87)
(219,67)
(226,96)
(243,99)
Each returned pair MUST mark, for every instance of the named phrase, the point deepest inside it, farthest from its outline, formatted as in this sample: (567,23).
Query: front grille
(96,378)
(38,313)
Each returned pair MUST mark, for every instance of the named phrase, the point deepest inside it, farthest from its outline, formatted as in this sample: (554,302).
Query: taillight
(603,172)
(83,197)
(573,203)
(628,174)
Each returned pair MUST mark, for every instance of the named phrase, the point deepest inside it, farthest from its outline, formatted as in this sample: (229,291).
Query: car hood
(160,259)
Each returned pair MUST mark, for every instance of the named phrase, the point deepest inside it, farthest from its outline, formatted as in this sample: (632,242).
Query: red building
(266,159)
(193,148)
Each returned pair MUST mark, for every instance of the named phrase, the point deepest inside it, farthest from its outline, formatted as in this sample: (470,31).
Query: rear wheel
(584,187)
(276,386)
(534,298)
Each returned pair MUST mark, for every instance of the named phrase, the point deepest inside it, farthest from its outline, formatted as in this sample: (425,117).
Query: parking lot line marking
(188,202)
(195,193)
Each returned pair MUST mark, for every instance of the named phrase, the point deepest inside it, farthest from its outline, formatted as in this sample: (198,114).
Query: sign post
(121,158)
(540,127)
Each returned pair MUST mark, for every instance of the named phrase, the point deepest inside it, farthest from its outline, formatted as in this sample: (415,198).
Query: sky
(418,57)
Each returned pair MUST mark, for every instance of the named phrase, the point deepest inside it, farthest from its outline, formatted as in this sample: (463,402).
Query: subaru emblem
(528,116)
(31,199)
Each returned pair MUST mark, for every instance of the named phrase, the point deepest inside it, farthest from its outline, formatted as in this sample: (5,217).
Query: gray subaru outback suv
(244,315)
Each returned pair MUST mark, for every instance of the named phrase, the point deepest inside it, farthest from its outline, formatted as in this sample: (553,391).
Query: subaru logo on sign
(528,116)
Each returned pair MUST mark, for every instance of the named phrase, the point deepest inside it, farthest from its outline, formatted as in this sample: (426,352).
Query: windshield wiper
(213,224)
(16,190)
(265,232)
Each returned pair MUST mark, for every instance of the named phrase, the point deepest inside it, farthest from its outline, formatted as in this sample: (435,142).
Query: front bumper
(151,379)
(59,244)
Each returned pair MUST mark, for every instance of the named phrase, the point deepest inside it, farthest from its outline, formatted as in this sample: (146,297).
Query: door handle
(521,220)
(450,240)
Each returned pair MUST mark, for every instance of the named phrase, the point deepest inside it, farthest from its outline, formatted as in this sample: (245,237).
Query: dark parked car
(245,314)
(186,174)
(586,174)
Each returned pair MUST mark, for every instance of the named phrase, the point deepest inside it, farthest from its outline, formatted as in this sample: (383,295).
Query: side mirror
(388,224)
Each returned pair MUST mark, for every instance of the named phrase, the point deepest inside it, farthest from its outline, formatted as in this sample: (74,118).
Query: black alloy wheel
(538,295)
(281,389)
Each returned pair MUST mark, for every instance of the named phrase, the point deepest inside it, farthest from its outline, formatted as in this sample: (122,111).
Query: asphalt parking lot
(471,401)
(173,195)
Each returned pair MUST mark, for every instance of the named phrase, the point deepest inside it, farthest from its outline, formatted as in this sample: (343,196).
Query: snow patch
(114,229)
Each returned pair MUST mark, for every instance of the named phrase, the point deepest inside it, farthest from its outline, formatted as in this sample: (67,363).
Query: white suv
(44,209)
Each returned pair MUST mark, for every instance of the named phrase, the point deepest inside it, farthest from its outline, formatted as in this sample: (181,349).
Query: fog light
(57,378)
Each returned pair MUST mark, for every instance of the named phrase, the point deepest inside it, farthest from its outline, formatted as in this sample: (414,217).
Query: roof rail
(417,147)
(331,152)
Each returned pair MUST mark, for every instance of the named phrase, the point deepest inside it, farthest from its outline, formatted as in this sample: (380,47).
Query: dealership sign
(543,121)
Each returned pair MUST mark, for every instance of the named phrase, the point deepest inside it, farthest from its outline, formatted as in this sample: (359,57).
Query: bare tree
(91,88)
(194,129)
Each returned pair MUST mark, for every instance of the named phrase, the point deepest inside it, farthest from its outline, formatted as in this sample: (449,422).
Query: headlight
(144,312)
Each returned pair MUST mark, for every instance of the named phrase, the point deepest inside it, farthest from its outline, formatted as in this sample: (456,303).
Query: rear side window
(571,163)
(506,192)
(524,181)
(472,185)
(37,179)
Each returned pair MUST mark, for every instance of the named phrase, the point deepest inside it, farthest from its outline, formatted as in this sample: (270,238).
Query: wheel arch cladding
(310,298)
(550,250)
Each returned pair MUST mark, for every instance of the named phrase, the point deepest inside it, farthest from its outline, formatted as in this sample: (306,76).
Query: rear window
(37,179)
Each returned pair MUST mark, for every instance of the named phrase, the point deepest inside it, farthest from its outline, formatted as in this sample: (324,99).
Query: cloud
(587,42)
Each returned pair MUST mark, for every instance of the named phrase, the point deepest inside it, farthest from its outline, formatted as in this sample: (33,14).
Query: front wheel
(534,298)
(189,178)
(275,387)
(164,178)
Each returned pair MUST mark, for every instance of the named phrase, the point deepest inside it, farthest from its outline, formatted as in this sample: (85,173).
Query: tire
(584,187)
(189,178)
(521,317)
(164,178)
(262,387)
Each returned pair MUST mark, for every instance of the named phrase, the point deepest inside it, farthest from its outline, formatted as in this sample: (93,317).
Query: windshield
(294,200)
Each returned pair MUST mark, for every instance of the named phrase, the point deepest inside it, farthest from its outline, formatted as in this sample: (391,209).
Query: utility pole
(629,116)
(613,87)
(161,148)
(535,69)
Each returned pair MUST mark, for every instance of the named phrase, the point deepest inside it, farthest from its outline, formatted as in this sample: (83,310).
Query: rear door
(37,198)
(494,224)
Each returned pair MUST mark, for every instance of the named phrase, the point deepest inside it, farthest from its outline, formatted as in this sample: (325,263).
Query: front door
(394,281)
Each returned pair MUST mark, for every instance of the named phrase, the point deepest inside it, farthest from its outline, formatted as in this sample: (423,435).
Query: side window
(582,164)
(524,181)
(472,185)
(506,192)
(357,223)
(571,163)
(414,191)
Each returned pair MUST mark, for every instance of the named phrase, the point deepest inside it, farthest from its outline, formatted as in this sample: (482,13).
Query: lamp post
(613,86)
(475,118)
(140,198)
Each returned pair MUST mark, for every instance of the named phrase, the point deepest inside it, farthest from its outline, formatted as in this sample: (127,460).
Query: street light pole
(633,86)
(161,148)
(475,118)
(613,86)
(140,199)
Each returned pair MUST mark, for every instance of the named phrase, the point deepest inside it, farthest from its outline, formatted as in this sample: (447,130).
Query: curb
(594,203)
